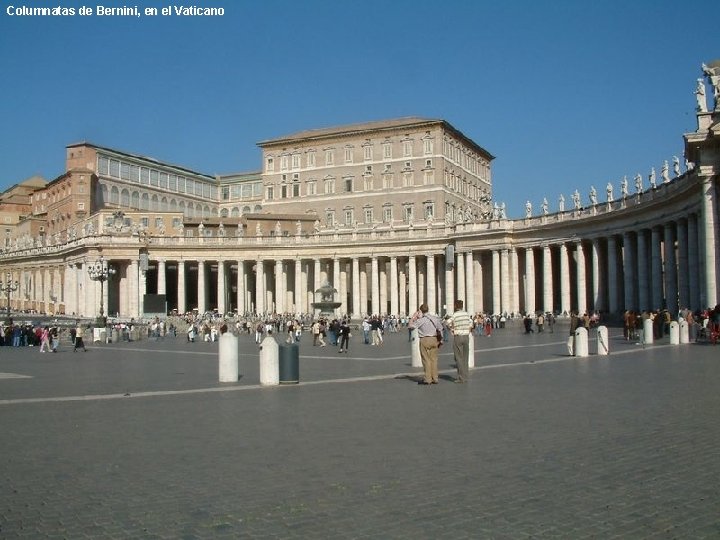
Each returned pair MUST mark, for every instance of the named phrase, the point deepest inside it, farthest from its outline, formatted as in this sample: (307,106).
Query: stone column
(448,298)
(629,270)
(394,286)
(469,283)
(260,306)
(356,310)
(278,293)
(707,228)
(460,294)
(597,297)
(241,288)
(683,250)
(141,291)
(478,279)
(529,281)
(564,280)
(612,281)
(182,298)
(133,288)
(671,288)
(299,297)
(656,269)
(201,296)
(581,278)
(693,263)
(161,286)
(514,281)
(383,288)
(221,304)
(431,291)
(336,279)
(402,289)
(412,285)
(547,280)
(374,285)
(643,272)
(496,283)
(70,293)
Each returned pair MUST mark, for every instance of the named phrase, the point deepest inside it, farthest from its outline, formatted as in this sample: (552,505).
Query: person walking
(45,340)
(429,327)
(461,325)
(79,339)
(344,334)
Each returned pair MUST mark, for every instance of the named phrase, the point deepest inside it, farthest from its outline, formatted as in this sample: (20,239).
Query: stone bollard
(269,362)
(674,333)
(581,342)
(471,350)
(648,336)
(415,350)
(684,332)
(228,365)
(603,347)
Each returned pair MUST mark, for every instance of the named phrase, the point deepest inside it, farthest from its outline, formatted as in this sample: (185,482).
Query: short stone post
(228,367)
(581,342)
(269,362)
(674,333)
(684,332)
(603,347)
(648,337)
(471,350)
(415,349)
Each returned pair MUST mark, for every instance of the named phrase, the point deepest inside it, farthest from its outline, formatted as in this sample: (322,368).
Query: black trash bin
(289,363)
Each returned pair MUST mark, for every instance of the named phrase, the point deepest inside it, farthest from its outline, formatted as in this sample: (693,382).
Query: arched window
(114,194)
(125,198)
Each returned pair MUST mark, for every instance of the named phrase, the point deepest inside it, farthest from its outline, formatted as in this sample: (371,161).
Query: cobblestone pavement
(139,440)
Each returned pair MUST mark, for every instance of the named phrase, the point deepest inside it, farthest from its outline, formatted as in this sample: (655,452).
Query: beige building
(392,214)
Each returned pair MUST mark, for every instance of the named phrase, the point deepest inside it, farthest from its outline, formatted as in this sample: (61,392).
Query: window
(270,193)
(311,158)
(428,163)
(368,169)
(283,191)
(81,206)
(329,157)
(428,177)
(368,215)
(407,148)
(348,154)
(226,193)
(408,214)
(103,165)
(388,181)
(348,184)
(114,168)
(270,165)
(427,146)
(159,223)
(429,211)
(387,214)
(163,180)
(172,183)
(296,161)
(177,222)
(329,185)
(311,187)
(144,221)
(367,152)
(284,163)
(153,178)
(349,217)
(296,188)
(144,175)
(407,179)
(330,218)
(387,150)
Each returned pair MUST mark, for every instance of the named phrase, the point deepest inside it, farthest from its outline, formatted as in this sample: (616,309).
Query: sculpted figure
(700,96)
(609,191)
(638,183)
(503,215)
(651,178)
(496,211)
(576,199)
(624,187)
(561,203)
(316,225)
(545,206)
(713,75)
(676,165)
(258,230)
(278,228)
(593,196)
(298,227)
(528,209)
(665,172)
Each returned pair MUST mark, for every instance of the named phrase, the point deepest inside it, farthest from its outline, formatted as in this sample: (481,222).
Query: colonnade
(655,265)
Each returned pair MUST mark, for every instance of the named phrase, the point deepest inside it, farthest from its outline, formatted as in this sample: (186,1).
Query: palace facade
(393,214)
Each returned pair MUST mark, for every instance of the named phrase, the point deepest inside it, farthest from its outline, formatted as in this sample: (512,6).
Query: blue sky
(566,94)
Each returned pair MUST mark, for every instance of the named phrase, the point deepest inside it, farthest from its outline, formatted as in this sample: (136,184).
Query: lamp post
(100,271)
(9,286)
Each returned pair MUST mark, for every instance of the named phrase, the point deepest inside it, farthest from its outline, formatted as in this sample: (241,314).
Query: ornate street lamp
(101,271)
(9,286)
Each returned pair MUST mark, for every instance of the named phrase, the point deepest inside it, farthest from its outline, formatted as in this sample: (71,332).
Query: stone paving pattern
(536,445)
